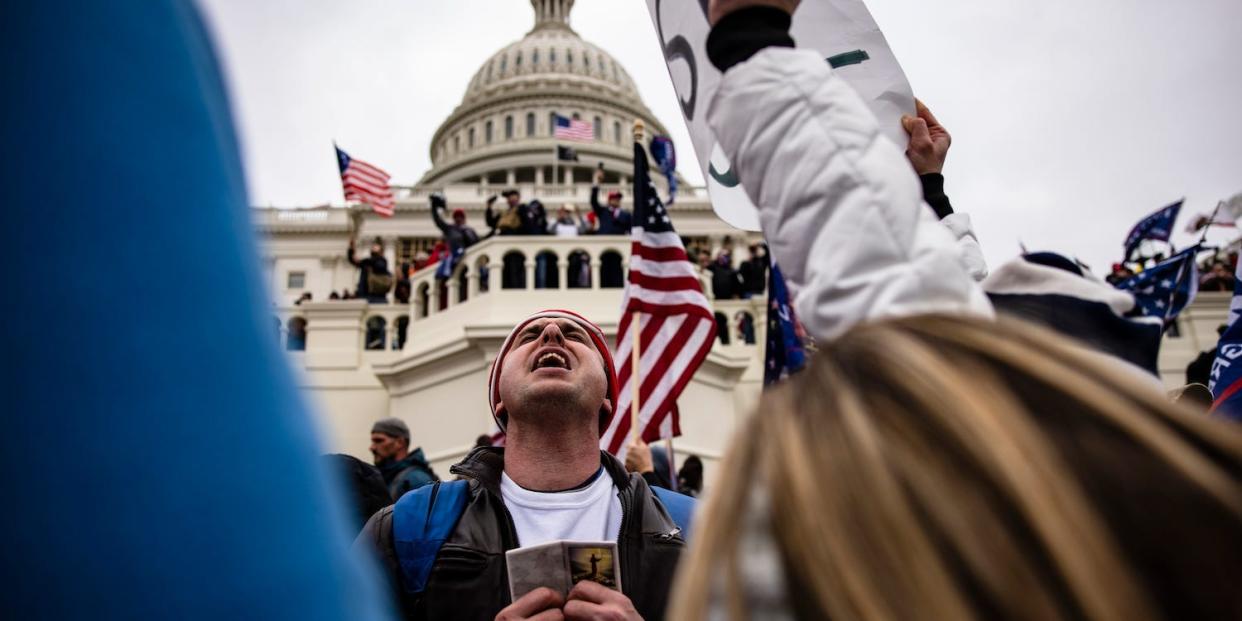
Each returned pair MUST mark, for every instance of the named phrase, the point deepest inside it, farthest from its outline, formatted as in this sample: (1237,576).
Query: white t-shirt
(592,513)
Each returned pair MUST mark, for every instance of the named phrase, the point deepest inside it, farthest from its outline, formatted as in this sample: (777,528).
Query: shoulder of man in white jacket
(839,204)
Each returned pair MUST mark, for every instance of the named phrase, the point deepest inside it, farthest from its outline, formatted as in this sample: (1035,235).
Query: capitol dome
(501,132)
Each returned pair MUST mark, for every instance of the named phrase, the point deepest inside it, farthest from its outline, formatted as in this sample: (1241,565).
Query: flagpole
(635,380)
(1211,221)
(636,338)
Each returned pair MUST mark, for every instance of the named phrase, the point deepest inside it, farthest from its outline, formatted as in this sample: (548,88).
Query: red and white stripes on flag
(365,183)
(676,324)
(573,129)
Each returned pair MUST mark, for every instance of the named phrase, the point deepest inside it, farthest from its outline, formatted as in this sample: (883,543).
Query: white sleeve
(840,206)
(969,252)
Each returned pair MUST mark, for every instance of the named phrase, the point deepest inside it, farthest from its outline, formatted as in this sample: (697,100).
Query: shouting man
(552,388)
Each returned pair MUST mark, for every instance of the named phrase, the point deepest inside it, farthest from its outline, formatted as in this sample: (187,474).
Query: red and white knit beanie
(597,337)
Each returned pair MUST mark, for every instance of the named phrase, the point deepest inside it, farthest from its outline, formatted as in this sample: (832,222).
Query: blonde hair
(948,468)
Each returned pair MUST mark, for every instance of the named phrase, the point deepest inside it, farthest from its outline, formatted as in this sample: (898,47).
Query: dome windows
(509,127)
(599,128)
(470,138)
(552,56)
(530,124)
(616,131)
(569,57)
(534,57)
(552,123)
(487,132)
(518,61)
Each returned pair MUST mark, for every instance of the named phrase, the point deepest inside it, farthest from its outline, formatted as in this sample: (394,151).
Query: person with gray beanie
(402,469)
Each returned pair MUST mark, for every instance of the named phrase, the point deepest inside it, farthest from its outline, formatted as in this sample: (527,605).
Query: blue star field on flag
(784,353)
(1165,290)
(1158,226)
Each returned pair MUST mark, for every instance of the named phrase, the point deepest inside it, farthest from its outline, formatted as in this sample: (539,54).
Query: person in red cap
(551,389)
(458,235)
(613,220)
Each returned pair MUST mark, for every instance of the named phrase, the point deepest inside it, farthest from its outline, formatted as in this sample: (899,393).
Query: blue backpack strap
(680,507)
(421,522)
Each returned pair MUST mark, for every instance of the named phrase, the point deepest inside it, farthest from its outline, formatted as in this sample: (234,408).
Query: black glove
(437,201)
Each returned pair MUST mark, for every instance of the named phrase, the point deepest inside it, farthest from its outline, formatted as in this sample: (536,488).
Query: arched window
(616,131)
(599,128)
(487,132)
(514,274)
(569,57)
(481,268)
(470,138)
(551,123)
(518,61)
(579,274)
(377,333)
(722,328)
(745,327)
(552,56)
(530,123)
(403,329)
(611,270)
(508,128)
(296,340)
(547,270)
(534,57)
(457,143)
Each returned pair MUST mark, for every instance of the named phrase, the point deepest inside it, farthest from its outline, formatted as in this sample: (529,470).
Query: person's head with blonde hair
(949,468)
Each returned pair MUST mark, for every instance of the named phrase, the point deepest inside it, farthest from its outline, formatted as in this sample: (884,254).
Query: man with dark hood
(403,470)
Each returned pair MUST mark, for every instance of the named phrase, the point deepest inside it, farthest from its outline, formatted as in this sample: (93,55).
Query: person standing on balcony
(458,235)
(516,220)
(374,280)
(568,222)
(403,471)
(613,220)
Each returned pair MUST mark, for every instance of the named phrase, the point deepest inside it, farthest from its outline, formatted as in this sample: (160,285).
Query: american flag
(676,326)
(573,129)
(366,184)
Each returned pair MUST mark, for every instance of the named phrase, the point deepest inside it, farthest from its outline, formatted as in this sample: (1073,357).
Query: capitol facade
(426,362)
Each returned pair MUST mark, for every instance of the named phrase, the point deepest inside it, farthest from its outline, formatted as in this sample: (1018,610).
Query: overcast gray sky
(1071,119)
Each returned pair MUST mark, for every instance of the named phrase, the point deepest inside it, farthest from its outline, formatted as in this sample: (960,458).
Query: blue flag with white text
(784,353)
(1158,226)
(1226,382)
(1165,290)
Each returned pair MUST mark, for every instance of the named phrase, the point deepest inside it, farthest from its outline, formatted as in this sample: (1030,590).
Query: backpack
(423,519)
(378,284)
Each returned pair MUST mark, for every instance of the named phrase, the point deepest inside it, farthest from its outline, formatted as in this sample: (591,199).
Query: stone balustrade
(501,279)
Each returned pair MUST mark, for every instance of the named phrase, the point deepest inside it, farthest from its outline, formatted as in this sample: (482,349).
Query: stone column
(334,333)
(530,274)
(595,273)
(511,177)
(539,176)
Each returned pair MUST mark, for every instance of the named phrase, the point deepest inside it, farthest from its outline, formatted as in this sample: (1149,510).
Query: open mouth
(552,360)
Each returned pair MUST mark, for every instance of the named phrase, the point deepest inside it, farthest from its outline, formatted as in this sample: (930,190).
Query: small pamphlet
(559,565)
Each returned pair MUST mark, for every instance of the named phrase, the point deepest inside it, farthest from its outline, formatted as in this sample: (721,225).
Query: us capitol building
(351,356)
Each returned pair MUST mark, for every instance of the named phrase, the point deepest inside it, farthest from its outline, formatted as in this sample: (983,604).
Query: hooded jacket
(408,474)
(469,579)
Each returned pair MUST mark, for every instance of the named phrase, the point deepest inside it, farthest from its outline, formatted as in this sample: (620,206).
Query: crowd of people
(966,443)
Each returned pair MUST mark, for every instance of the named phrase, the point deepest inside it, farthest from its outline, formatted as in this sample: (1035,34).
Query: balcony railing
(515,273)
